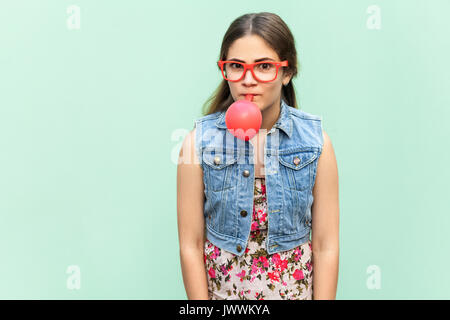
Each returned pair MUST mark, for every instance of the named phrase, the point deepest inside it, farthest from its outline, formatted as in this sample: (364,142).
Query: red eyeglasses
(266,71)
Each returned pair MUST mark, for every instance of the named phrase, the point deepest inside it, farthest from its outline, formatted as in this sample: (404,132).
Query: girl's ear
(287,75)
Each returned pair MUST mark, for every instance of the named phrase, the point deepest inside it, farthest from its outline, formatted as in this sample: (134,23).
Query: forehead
(250,48)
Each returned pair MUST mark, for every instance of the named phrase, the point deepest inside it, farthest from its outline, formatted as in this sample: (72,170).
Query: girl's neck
(270,116)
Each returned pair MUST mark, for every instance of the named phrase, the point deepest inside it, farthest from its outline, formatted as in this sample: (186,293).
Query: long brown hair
(276,33)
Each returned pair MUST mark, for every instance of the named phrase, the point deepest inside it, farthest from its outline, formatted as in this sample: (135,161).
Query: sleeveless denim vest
(291,152)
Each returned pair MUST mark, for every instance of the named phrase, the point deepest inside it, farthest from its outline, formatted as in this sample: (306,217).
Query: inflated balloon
(243,118)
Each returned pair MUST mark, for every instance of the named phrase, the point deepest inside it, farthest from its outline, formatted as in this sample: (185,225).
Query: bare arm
(190,193)
(325,225)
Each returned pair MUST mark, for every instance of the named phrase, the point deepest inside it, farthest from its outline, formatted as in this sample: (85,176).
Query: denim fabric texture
(291,153)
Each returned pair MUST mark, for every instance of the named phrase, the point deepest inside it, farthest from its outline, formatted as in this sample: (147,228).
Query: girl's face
(250,49)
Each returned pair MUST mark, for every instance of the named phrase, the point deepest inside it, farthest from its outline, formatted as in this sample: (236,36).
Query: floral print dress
(256,275)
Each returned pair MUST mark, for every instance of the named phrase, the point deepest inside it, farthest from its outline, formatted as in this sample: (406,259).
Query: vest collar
(284,121)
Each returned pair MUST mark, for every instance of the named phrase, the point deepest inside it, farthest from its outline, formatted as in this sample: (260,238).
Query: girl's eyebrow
(257,60)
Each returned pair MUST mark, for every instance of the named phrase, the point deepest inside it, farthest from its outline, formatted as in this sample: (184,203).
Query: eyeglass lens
(264,71)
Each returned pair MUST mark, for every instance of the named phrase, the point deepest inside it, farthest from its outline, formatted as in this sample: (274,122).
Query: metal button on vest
(296,161)
(217,160)
(243,213)
(239,248)
(246,173)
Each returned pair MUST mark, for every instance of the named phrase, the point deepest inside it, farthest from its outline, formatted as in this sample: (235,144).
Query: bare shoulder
(189,170)
(327,172)
(328,154)
(188,154)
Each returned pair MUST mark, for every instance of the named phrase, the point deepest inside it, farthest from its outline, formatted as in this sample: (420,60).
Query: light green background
(91,122)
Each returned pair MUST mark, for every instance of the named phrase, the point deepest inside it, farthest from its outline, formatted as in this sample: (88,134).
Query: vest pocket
(219,170)
(297,167)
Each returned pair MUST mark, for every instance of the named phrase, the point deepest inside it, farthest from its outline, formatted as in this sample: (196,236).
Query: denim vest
(291,152)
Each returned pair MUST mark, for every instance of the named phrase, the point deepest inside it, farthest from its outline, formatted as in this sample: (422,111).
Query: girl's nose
(248,77)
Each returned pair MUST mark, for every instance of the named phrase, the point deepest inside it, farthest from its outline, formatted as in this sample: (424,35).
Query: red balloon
(243,118)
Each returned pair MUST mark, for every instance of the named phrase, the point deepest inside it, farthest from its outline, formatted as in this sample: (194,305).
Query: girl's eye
(265,66)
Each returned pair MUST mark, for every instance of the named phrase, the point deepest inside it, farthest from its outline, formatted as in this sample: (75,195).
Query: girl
(244,229)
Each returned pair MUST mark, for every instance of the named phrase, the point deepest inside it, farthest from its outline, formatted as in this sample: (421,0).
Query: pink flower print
(279,264)
(224,270)
(263,216)
(214,253)
(212,272)
(263,188)
(309,266)
(283,264)
(254,225)
(274,276)
(254,266)
(297,254)
(298,274)
(241,275)
(254,269)
(264,261)
(276,259)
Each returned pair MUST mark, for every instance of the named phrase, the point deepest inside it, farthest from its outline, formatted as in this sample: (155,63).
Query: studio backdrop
(97,97)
